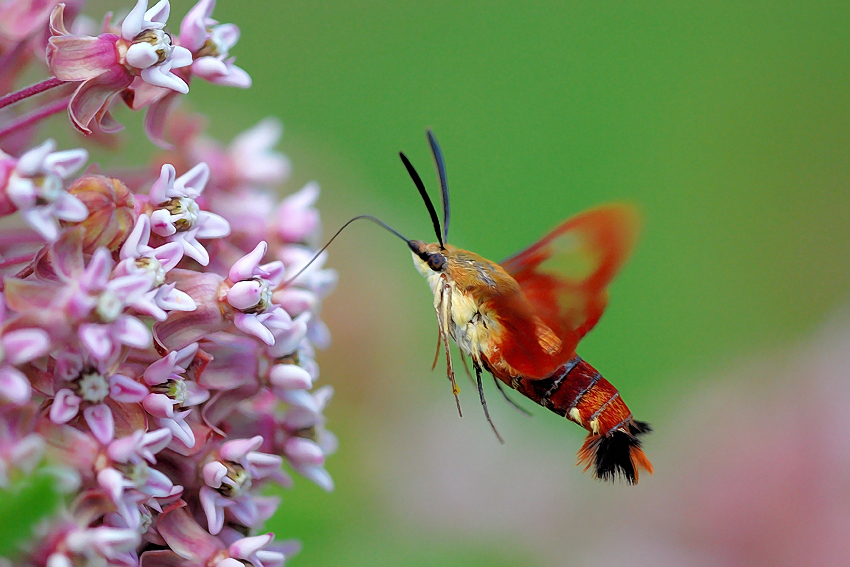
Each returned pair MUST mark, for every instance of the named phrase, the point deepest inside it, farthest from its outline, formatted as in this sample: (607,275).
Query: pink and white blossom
(100,302)
(34,185)
(210,44)
(82,383)
(229,479)
(108,64)
(297,218)
(150,359)
(253,157)
(137,257)
(18,346)
(251,296)
(171,397)
(178,217)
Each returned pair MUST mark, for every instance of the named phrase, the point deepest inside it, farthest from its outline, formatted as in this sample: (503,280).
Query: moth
(522,319)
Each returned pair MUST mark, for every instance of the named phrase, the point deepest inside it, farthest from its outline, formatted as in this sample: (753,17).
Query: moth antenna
(424,194)
(516,406)
(484,402)
(444,186)
(375,220)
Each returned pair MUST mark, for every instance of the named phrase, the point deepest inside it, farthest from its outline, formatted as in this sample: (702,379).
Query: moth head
(428,258)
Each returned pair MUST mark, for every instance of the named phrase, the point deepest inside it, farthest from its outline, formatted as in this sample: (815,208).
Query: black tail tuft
(617,454)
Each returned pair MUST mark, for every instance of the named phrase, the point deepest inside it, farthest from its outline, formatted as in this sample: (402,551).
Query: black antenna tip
(441,173)
(424,194)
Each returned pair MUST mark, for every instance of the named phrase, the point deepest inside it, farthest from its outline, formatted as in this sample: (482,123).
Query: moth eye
(436,262)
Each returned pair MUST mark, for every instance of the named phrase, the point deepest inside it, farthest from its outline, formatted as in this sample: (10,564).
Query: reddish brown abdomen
(578,392)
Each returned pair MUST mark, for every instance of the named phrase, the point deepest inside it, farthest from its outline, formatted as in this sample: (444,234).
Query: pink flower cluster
(152,350)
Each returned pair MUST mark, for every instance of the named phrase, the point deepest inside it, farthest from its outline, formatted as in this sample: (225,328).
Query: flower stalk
(29,91)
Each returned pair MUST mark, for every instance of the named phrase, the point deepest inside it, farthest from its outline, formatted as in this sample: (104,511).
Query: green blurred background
(726,123)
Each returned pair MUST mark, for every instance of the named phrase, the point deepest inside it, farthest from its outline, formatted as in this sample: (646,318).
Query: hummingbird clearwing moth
(522,319)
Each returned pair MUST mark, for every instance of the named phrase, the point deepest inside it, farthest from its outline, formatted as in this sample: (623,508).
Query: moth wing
(565,274)
(527,345)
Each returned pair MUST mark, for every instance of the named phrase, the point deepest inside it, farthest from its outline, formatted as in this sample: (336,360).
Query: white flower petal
(160,77)
(211,225)
(69,208)
(192,183)
(32,162)
(42,222)
(142,55)
(159,13)
(66,162)
(180,57)
(132,25)
(249,324)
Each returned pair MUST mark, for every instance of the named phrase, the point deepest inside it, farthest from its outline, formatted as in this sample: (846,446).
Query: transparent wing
(565,274)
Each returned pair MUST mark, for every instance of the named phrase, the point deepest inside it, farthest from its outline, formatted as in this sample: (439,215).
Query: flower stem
(35,116)
(29,91)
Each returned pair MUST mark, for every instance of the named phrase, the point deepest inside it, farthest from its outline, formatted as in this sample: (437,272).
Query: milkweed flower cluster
(155,353)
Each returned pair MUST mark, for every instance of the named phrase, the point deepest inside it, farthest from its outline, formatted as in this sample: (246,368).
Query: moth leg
(437,353)
(484,402)
(518,407)
(445,300)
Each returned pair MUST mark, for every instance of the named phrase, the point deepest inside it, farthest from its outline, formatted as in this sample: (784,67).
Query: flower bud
(111,215)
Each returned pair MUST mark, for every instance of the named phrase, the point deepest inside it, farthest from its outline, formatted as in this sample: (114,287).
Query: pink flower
(99,302)
(210,44)
(253,158)
(250,161)
(229,478)
(92,546)
(18,346)
(128,480)
(20,18)
(192,545)
(251,296)
(135,382)
(137,257)
(178,217)
(297,219)
(306,292)
(84,383)
(34,185)
(149,49)
(307,454)
(171,397)
(106,65)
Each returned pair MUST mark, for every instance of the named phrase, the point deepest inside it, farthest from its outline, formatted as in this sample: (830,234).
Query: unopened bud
(111,215)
